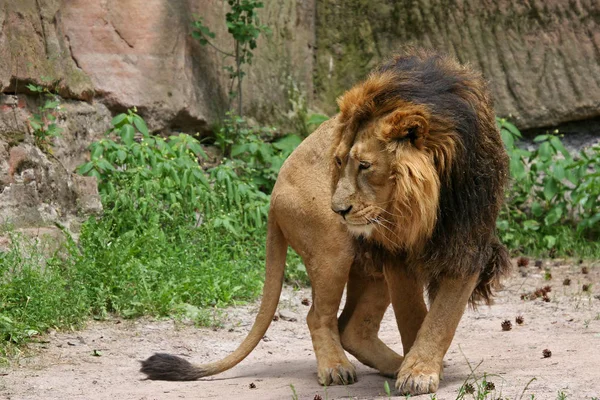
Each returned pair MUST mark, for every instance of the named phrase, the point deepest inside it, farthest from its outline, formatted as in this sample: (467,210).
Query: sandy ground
(63,366)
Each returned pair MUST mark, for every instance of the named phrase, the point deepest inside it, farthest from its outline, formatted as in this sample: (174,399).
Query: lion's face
(386,181)
(363,188)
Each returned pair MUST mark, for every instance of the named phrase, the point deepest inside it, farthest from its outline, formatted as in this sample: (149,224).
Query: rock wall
(38,188)
(105,56)
(542,57)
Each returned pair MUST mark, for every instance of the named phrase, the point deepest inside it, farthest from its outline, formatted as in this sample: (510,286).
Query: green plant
(253,152)
(301,119)
(386,388)
(36,292)
(245,28)
(561,395)
(147,180)
(158,181)
(43,123)
(551,201)
(294,394)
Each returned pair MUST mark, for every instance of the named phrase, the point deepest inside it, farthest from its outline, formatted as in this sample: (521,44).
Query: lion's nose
(341,210)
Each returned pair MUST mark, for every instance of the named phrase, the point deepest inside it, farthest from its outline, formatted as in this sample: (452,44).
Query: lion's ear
(403,125)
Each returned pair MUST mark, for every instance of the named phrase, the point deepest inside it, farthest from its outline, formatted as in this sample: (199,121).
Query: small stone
(306,301)
(287,315)
(567,282)
(546,353)
(252,385)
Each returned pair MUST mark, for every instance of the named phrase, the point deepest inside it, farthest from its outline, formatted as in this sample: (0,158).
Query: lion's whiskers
(378,223)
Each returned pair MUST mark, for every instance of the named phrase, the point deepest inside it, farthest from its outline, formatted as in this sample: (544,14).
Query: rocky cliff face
(108,55)
(542,57)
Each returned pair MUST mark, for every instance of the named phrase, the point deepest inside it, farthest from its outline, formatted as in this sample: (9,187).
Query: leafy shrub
(553,196)
(253,152)
(156,181)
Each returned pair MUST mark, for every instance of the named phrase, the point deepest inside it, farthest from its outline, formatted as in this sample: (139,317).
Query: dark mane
(464,239)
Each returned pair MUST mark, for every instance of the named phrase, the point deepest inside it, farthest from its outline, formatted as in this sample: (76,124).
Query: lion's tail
(163,366)
(497,267)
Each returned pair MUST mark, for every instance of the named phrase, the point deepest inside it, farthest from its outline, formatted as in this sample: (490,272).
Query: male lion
(414,170)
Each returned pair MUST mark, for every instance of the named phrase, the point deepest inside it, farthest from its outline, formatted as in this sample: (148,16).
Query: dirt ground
(101,362)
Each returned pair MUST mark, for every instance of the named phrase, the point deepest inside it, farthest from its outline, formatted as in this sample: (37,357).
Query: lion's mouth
(363,228)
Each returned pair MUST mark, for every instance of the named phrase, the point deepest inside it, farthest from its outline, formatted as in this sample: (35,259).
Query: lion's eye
(364,165)
(338,161)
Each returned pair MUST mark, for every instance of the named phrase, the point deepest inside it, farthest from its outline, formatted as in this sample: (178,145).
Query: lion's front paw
(418,379)
(340,374)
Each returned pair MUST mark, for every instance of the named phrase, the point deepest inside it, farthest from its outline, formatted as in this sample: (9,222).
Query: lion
(396,195)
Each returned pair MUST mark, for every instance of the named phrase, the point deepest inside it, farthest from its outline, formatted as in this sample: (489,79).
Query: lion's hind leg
(328,276)
(367,299)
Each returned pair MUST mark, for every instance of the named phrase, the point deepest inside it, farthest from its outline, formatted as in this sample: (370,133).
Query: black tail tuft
(166,367)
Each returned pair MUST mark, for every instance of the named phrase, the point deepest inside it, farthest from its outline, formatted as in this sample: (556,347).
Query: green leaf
(85,168)
(512,129)
(51,104)
(559,171)
(127,134)
(97,151)
(517,168)
(288,143)
(95,173)
(34,88)
(531,225)
(238,149)
(36,126)
(508,139)
(121,155)
(140,124)
(537,209)
(54,130)
(198,150)
(550,188)
(540,138)
(386,387)
(553,216)
(545,151)
(502,225)
(118,120)
(558,146)
(550,241)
